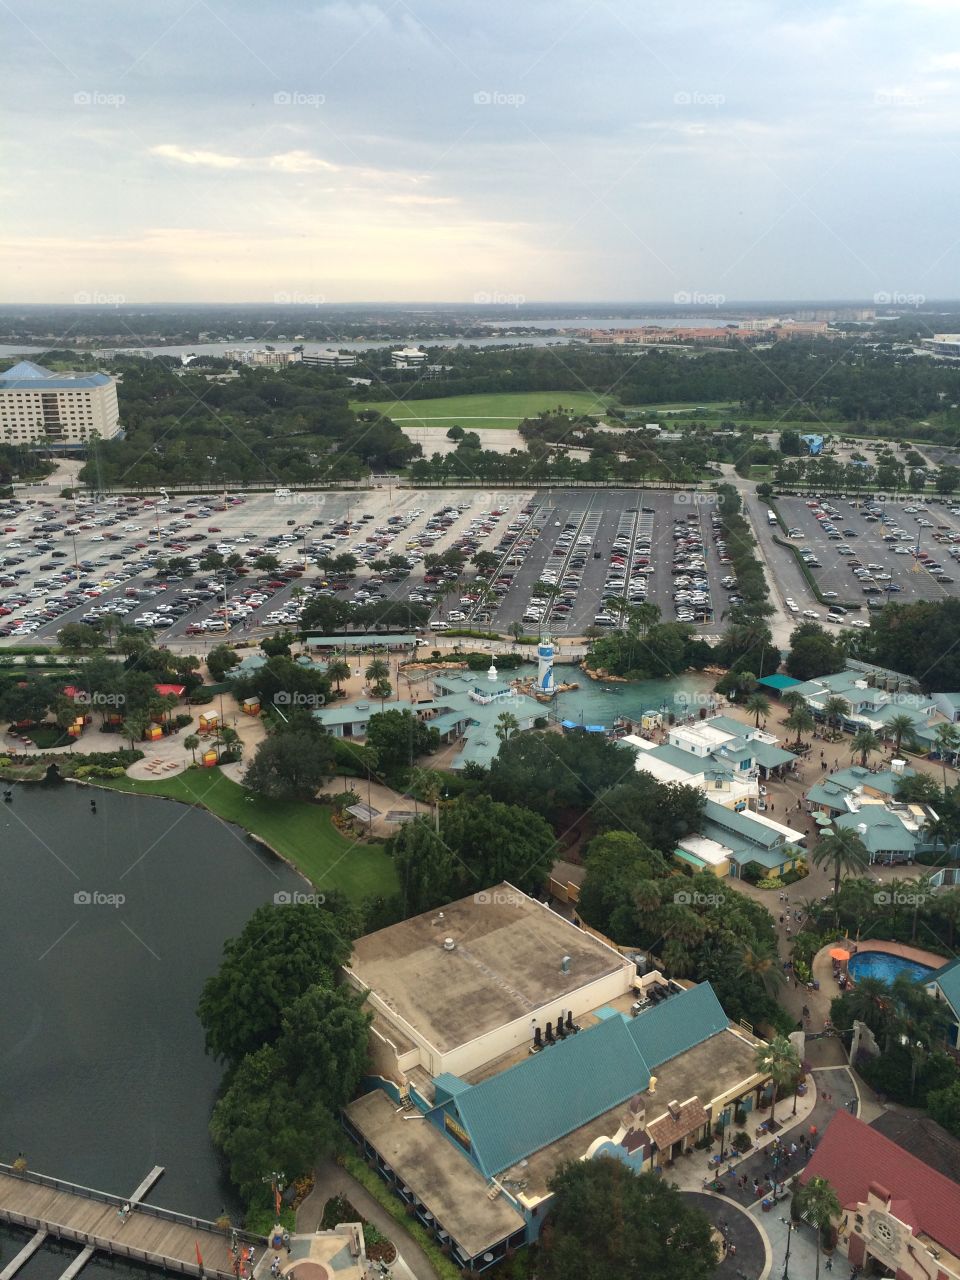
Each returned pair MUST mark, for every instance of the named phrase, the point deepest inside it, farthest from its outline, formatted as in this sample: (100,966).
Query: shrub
(741,1141)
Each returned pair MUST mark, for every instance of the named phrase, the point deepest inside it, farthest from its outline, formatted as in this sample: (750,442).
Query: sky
(537,150)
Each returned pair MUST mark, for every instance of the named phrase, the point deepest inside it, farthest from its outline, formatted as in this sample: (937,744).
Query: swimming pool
(878,964)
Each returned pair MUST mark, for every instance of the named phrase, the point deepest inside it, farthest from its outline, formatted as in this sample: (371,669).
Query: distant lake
(531,338)
(102,1068)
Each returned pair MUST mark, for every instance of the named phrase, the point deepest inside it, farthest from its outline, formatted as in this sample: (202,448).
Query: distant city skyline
(369,153)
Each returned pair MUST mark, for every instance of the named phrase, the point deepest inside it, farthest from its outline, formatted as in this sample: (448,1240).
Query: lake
(102,1069)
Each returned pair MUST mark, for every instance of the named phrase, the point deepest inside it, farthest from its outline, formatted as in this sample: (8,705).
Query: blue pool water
(877,964)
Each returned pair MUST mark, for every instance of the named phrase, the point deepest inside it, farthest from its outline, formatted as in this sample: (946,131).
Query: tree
(648,1227)
(428,784)
(900,726)
(944,1107)
(290,766)
(262,1122)
(135,726)
(377,670)
(506,725)
(846,852)
(278,645)
(493,842)
(863,743)
(763,963)
(801,720)
(757,706)
(338,670)
(399,738)
(819,1204)
(947,739)
(425,867)
(323,1043)
(191,742)
(75,637)
(813,653)
(220,660)
(779,1060)
(835,710)
(268,562)
(282,952)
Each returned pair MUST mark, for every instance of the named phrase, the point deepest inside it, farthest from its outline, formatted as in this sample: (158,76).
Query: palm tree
(900,726)
(758,707)
(377,670)
(835,709)
(800,719)
(135,726)
(507,724)
(429,785)
(762,962)
(338,670)
(780,1061)
(231,740)
(820,1205)
(847,852)
(947,739)
(792,700)
(869,1002)
(863,743)
(191,742)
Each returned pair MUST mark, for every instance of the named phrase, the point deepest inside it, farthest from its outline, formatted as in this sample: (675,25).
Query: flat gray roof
(440,1177)
(506,963)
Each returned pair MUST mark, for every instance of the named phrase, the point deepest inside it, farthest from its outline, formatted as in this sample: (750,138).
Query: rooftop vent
(449,944)
(565,964)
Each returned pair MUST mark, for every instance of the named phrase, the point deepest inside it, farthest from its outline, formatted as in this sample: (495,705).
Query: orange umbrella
(839,953)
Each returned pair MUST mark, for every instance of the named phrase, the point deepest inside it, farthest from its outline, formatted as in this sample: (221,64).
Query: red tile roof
(852,1156)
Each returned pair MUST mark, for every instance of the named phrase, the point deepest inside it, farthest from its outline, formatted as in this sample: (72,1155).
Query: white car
(811,613)
(859,622)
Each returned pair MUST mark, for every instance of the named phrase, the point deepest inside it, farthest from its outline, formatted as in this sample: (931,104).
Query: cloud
(198,159)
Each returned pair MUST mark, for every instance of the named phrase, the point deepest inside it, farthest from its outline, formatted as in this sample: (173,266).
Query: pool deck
(819,1001)
(916,954)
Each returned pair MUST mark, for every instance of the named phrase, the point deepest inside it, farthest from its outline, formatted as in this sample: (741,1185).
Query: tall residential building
(56,410)
(408,358)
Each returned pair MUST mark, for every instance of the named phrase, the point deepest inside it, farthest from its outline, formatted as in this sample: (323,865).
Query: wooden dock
(158,1237)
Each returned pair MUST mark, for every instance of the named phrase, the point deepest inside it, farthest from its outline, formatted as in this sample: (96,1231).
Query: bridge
(58,1210)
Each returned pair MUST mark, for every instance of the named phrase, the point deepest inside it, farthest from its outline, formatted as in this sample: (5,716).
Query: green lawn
(302,833)
(505,409)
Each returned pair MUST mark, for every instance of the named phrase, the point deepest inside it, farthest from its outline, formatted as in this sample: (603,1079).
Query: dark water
(102,1069)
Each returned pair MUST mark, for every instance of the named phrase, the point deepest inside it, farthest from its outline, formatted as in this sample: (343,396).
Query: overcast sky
(206,150)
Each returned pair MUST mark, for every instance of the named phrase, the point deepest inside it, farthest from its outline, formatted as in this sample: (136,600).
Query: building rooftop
(437,1174)
(506,963)
(27,376)
(923,1138)
(852,1156)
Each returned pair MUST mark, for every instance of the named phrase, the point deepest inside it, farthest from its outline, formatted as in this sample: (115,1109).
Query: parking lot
(866,552)
(557,561)
(587,551)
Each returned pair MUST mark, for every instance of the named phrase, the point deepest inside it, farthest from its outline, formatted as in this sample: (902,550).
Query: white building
(942,344)
(408,358)
(330,359)
(56,410)
(261,358)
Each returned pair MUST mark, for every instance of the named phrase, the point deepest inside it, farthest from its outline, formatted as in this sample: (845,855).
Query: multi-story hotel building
(39,408)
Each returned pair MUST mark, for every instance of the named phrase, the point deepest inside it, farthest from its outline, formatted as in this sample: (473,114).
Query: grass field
(494,410)
(302,833)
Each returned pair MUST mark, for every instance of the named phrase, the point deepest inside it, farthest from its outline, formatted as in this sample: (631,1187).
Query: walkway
(150,1235)
(330,1181)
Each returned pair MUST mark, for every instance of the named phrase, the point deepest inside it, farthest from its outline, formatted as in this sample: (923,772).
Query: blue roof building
(506,1040)
(56,410)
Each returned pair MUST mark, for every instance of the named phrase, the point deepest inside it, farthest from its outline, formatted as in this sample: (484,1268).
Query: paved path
(330,1181)
(751,1250)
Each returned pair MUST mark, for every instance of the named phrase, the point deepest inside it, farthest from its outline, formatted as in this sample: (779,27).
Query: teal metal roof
(367,640)
(680,759)
(884,833)
(769,756)
(779,682)
(739,824)
(540,1100)
(727,724)
(448,1086)
(948,980)
(677,1024)
(884,780)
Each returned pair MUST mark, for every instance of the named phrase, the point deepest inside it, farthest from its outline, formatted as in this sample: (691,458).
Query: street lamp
(791,1228)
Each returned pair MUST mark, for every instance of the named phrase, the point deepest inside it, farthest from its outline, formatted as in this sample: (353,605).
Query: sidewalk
(330,1181)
